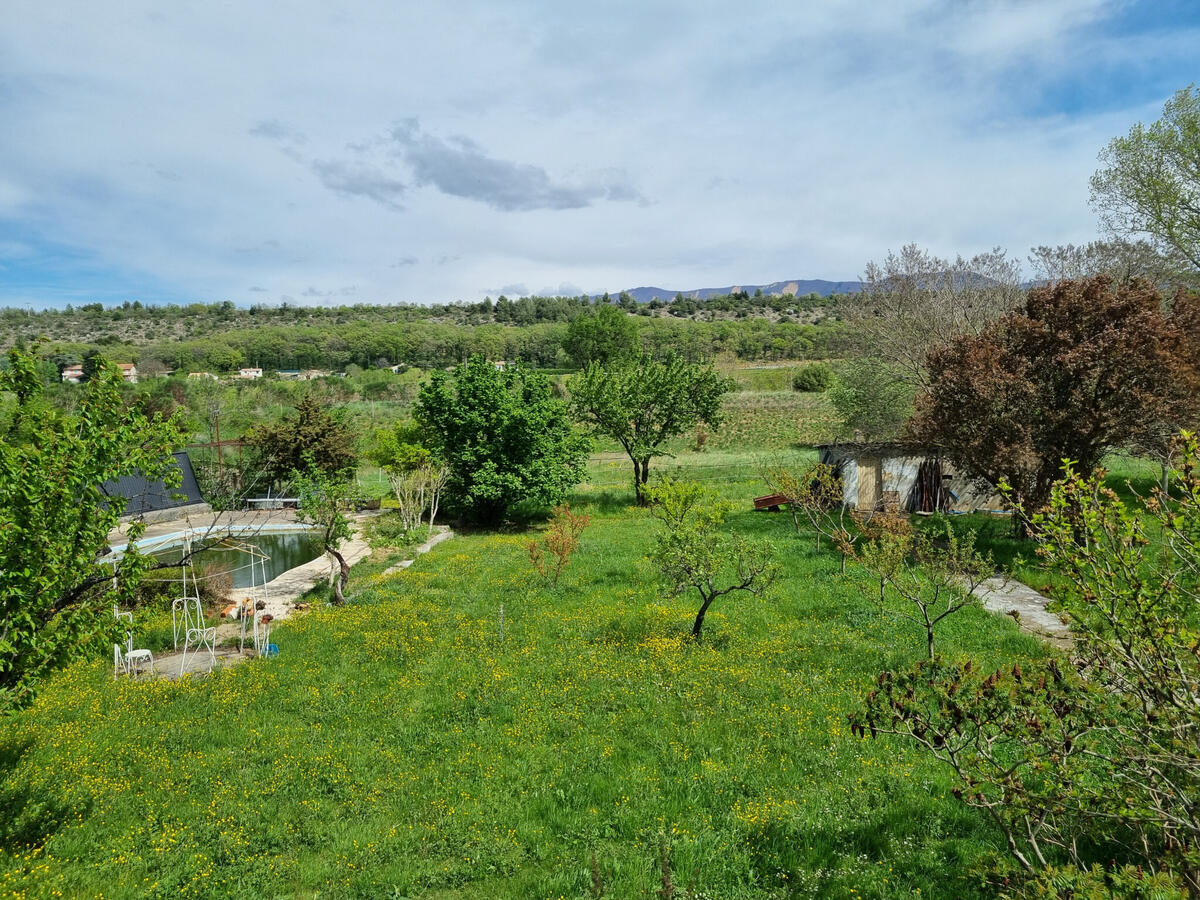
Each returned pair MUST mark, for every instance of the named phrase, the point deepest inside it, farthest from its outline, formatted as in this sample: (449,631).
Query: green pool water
(285,549)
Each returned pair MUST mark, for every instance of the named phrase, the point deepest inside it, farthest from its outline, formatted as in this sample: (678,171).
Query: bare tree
(914,301)
(1120,259)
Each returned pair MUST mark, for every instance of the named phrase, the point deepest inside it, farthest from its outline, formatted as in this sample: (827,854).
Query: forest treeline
(221,337)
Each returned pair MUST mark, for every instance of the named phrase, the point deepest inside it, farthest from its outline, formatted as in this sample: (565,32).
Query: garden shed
(907,477)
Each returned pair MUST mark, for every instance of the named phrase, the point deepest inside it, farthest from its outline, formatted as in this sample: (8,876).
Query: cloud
(357,179)
(315,293)
(460,167)
(720,144)
(564,289)
(274,130)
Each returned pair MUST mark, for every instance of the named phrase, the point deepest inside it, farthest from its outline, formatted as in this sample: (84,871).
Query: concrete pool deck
(247,520)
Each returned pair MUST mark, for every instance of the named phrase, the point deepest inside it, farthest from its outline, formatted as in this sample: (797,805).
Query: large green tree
(503,435)
(310,440)
(604,335)
(872,398)
(56,598)
(1149,182)
(642,406)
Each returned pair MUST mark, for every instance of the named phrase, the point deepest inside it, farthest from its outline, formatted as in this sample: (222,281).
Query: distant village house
(74,374)
(250,372)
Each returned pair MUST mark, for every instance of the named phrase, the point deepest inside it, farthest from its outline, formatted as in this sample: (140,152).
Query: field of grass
(406,746)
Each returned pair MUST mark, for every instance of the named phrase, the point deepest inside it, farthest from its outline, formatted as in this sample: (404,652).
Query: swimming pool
(225,551)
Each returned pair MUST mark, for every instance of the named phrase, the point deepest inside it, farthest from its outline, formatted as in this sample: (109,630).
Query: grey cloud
(461,168)
(360,180)
(564,289)
(405,261)
(257,290)
(274,130)
(346,291)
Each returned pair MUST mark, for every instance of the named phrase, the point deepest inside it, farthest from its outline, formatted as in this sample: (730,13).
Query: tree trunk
(641,475)
(343,578)
(699,623)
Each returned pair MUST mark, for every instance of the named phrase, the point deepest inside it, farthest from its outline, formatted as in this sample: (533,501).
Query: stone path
(444,534)
(1030,608)
(284,591)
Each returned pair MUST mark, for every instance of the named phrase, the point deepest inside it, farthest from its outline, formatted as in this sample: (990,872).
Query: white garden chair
(131,662)
(183,618)
(198,635)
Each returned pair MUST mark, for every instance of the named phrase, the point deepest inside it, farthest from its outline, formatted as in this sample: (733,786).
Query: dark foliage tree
(642,406)
(1075,373)
(93,362)
(310,440)
(503,435)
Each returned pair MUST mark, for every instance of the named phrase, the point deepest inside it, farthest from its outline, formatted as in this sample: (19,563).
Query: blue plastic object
(272,649)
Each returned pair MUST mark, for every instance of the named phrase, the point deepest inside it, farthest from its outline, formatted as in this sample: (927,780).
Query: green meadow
(418,744)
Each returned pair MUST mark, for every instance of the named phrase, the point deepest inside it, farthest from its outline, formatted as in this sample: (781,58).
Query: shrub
(551,555)
(813,379)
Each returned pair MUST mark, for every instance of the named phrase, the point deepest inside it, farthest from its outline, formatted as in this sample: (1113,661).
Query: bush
(390,530)
(813,379)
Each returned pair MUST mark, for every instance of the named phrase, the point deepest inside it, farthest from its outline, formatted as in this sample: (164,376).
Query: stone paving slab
(1011,597)
(444,534)
(166,665)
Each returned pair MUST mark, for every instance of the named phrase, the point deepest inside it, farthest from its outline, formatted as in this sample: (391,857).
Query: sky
(318,152)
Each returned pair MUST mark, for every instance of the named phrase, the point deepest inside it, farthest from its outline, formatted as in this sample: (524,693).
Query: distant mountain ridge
(798,286)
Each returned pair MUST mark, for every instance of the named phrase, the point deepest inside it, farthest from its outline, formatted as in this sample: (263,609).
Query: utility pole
(216,414)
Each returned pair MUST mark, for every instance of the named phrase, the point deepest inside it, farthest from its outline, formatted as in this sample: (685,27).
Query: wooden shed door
(870,482)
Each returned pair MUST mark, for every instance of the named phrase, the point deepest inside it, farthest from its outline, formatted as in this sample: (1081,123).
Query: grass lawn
(402,747)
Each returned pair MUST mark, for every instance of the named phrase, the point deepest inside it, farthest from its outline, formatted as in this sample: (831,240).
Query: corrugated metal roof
(144,496)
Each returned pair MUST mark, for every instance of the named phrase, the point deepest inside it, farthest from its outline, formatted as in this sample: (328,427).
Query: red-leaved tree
(1082,368)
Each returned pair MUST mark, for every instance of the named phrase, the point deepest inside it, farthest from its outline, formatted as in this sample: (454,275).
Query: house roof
(144,496)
